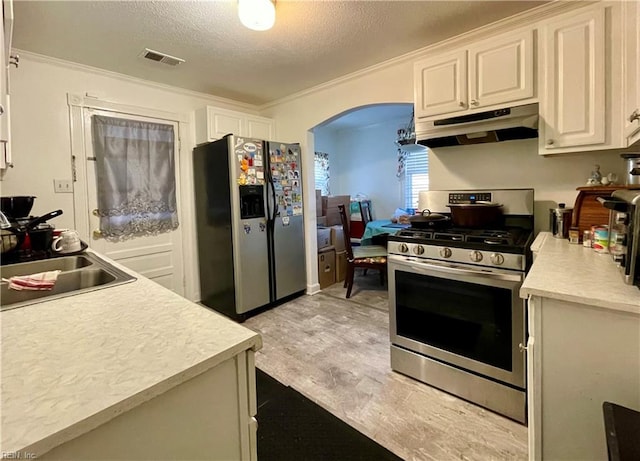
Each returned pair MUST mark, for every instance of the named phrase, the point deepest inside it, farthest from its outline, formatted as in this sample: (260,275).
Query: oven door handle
(424,267)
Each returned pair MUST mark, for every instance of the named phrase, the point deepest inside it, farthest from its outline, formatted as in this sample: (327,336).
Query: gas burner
(415,233)
(489,237)
(449,236)
(494,233)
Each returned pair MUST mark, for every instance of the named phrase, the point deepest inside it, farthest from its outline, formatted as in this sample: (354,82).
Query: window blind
(416,177)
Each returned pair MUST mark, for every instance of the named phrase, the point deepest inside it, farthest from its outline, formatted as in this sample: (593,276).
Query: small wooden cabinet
(581,81)
(631,98)
(588,211)
(491,72)
(214,123)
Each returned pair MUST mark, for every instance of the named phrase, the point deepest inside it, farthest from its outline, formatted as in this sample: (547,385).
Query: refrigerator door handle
(273,196)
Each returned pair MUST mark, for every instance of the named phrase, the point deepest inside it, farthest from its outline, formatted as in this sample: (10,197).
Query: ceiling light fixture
(406,140)
(257,14)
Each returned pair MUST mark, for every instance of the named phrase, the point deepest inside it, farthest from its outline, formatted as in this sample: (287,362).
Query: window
(416,177)
(322,172)
(135,175)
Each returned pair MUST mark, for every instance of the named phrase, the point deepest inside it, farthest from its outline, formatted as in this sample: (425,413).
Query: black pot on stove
(428,220)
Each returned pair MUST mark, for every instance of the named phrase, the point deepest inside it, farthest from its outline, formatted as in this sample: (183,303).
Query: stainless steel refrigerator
(249,221)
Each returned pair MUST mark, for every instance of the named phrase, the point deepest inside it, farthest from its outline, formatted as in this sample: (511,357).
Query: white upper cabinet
(491,72)
(214,123)
(6,59)
(632,72)
(260,127)
(581,87)
(501,70)
(441,84)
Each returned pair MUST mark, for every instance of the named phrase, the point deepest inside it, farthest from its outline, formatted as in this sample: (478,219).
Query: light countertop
(577,274)
(72,364)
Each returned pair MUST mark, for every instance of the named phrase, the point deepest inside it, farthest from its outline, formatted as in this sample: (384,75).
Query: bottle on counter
(574,235)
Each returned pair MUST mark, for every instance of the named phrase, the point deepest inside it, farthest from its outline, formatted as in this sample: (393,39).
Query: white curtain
(135,170)
(321,163)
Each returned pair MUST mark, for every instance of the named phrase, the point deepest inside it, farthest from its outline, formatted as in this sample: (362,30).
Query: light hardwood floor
(336,352)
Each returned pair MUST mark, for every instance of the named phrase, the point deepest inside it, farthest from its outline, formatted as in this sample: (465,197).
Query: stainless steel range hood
(519,122)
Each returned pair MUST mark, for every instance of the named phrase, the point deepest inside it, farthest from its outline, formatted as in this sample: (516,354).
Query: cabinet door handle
(14,59)
(474,102)
(1,109)
(523,348)
(550,142)
(461,103)
(634,116)
(97,234)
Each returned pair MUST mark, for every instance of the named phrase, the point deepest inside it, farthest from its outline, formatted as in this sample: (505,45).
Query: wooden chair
(365,216)
(365,212)
(366,257)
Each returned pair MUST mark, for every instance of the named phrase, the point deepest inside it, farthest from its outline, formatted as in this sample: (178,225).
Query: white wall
(508,164)
(325,141)
(365,162)
(40,132)
(516,164)
(41,135)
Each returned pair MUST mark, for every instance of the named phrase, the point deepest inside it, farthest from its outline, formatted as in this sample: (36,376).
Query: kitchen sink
(64,264)
(80,274)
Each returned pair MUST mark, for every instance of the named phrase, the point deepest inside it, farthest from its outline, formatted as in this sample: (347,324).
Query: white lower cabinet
(579,357)
(214,123)
(211,416)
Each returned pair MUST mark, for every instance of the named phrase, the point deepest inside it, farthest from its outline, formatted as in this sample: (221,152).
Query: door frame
(77,104)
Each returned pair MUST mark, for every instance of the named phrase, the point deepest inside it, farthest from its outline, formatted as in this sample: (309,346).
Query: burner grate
(461,237)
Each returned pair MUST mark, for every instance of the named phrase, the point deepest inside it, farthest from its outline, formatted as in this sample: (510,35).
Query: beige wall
(296,118)
(516,164)
(42,147)
(41,139)
(512,164)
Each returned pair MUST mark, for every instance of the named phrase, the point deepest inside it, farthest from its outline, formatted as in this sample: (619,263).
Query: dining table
(380,227)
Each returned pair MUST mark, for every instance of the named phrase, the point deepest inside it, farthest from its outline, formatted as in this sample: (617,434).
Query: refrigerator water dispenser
(251,202)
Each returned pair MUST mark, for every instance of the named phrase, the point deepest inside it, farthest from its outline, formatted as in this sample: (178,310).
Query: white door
(157,257)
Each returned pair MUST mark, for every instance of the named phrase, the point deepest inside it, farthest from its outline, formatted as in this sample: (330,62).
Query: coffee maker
(632,167)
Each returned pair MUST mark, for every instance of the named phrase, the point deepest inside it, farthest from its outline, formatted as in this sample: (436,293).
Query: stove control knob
(419,249)
(403,248)
(445,252)
(497,259)
(475,256)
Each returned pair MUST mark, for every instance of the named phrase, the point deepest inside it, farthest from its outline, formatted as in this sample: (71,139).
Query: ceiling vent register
(161,57)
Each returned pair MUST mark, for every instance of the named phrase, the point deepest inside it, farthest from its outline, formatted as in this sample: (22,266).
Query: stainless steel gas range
(456,319)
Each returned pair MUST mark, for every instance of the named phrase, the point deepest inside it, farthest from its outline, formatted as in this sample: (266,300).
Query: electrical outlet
(62,186)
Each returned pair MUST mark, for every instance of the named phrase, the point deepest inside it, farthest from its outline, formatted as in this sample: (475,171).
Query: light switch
(62,186)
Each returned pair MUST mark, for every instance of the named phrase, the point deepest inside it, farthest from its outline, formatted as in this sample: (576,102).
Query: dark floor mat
(292,427)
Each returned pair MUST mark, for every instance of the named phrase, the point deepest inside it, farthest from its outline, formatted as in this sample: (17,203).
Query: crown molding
(527,18)
(129,79)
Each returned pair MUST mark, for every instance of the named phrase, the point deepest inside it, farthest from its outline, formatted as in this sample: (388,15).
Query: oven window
(467,319)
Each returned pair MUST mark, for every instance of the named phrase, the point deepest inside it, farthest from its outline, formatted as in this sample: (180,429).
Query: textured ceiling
(312,41)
